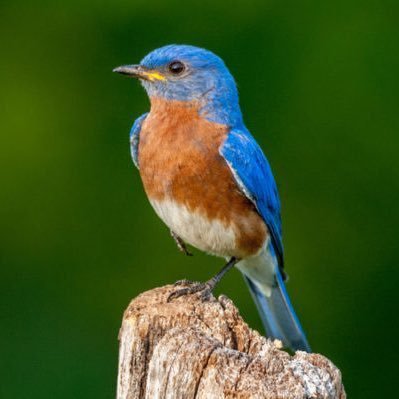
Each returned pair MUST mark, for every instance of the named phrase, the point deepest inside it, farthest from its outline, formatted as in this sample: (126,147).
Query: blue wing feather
(134,138)
(254,175)
(255,178)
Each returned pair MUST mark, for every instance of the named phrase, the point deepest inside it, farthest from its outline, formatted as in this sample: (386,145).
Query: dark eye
(176,67)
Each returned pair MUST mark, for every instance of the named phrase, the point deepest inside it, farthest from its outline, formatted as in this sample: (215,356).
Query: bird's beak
(140,72)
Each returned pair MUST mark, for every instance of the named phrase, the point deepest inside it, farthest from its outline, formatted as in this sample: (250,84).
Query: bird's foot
(205,289)
(185,250)
(184,282)
(181,245)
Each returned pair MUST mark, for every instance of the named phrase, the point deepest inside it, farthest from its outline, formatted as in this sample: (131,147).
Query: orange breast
(179,159)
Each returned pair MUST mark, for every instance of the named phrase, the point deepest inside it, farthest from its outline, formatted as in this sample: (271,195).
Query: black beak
(134,71)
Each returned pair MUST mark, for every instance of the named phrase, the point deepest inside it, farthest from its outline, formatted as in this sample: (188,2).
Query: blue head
(188,73)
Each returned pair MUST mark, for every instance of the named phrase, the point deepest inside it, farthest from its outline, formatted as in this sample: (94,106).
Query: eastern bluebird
(208,180)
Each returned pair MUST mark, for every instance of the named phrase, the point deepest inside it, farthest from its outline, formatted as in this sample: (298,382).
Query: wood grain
(191,348)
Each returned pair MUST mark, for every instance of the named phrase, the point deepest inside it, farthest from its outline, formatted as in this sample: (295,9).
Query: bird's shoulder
(135,136)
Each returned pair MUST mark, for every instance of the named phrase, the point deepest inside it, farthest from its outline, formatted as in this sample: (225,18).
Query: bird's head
(187,73)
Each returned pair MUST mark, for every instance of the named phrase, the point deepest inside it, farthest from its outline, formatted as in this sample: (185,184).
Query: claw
(206,287)
(181,245)
(192,289)
(184,282)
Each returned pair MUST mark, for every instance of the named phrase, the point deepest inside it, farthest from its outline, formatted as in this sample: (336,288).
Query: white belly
(196,229)
(261,269)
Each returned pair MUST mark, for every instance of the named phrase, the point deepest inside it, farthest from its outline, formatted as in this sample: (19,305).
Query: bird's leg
(207,287)
(180,243)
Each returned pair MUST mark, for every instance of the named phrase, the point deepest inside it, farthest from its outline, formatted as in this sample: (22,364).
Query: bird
(208,179)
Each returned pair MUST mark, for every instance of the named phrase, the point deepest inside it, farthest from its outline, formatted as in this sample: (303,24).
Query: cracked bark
(193,349)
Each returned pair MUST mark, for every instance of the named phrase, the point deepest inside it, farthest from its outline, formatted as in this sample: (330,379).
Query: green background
(319,90)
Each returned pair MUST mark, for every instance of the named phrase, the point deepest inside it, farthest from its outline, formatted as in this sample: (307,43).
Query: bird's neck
(170,111)
(214,106)
(221,106)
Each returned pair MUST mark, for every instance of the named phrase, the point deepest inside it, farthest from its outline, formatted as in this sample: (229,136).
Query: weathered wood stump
(191,348)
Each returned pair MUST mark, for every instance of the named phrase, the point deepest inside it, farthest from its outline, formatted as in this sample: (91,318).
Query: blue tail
(278,315)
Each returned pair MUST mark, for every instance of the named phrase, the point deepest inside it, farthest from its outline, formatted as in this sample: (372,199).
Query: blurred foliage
(319,91)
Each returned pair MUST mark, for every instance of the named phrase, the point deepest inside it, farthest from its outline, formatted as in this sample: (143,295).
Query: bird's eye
(176,67)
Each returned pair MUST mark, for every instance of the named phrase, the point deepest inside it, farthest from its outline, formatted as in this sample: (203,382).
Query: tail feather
(278,315)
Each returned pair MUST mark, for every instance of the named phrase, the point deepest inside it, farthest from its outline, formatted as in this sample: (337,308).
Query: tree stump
(191,348)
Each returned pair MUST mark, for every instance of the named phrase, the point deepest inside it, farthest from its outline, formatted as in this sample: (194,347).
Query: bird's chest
(188,182)
(179,158)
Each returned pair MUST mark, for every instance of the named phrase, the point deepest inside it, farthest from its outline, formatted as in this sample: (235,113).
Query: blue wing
(134,138)
(254,176)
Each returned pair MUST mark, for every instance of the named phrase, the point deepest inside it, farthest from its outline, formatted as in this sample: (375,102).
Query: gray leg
(206,287)
(180,243)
